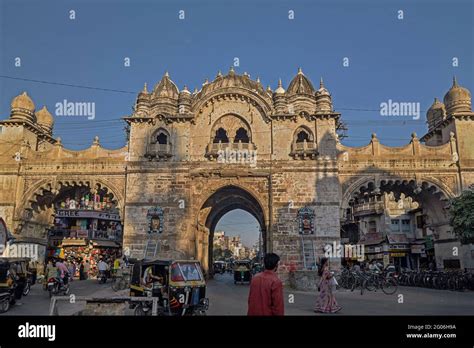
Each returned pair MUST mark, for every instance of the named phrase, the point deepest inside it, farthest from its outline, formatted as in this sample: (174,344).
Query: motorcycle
(55,287)
(102,277)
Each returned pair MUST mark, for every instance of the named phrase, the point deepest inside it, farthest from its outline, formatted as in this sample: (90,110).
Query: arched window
(162,138)
(302,136)
(241,135)
(221,135)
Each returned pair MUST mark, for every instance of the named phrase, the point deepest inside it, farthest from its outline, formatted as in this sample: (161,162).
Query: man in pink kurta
(266,290)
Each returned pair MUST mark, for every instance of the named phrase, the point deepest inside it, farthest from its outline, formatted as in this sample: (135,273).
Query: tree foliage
(462,216)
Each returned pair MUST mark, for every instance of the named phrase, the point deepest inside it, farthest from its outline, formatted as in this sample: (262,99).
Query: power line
(67,84)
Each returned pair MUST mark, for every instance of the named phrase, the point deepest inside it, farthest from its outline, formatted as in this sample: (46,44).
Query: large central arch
(222,201)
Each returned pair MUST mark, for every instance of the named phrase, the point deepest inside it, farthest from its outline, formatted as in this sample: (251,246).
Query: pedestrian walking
(326,301)
(87,268)
(266,290)
(82,276)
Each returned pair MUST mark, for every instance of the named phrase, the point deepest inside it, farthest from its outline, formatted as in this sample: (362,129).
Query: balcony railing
(213,149)
(158,151)
(303,149)
(368,208)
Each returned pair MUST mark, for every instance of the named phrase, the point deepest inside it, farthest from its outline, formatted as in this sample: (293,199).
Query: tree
(462,216)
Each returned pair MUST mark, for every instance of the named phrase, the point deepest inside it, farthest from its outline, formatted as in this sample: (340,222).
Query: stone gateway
(289,170)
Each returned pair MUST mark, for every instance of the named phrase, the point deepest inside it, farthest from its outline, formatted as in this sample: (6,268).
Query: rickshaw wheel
(140,312)
(5,306)
(27,289)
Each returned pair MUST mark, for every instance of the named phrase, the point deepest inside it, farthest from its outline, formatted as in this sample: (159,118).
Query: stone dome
(166,88)
(435,113)
(323,99)
(23,108)
(45,120)
(280,89)
(300,85)
(457,99)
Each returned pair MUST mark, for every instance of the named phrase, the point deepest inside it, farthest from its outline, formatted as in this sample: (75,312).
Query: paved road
(229,299)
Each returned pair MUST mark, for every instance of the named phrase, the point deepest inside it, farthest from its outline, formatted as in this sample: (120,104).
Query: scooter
(55,287)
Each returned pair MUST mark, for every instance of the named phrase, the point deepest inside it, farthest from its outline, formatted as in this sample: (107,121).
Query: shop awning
(371,239)
(73,242)
(105,244)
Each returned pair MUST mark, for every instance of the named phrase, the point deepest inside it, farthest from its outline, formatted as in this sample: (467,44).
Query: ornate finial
(321,83)
(167,74)
(219,74)
(185,88)
(436,100)
(269,89)
(145,90)
(246,74)
(300,71)
(58,141)
(258,79)
(206,82)
(279,83)
(374,136)
(195,90)
(455,82)
(96,140)
(413,135)
(231,70)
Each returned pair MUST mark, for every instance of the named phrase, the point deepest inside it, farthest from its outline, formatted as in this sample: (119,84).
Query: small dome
(300,84)
(185,90)
(457,99)
(44,119)
(435,113)
(166,88)
(23,101)
(280,89)
(23,109)
(322,90)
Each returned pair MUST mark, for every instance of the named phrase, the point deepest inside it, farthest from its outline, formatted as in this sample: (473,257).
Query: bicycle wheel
(389,286)
(371,284)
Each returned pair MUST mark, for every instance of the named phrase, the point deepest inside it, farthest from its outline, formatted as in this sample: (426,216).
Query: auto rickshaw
(13,280)
(179,286)
(242,271)
(219,267)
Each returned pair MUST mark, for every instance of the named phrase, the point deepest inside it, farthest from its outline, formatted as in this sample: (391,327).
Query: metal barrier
(55,299)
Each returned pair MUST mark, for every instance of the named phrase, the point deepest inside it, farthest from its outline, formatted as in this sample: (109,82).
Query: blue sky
(407,60)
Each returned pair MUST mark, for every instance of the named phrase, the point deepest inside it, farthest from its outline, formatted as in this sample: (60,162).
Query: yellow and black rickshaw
(179,286)
(242,271)
(14,278)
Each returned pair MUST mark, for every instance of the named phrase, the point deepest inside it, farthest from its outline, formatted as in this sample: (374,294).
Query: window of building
(241,135)
(162,138)
(395,225)
(372,227)
(221,135)
(406,225)
(302,136)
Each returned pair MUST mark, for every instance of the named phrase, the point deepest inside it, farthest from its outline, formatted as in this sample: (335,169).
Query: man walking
(266,290)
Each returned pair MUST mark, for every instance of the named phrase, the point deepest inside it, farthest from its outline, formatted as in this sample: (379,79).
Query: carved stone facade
(173,160)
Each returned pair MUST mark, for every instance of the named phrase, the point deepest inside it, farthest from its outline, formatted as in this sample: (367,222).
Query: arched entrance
(221,202)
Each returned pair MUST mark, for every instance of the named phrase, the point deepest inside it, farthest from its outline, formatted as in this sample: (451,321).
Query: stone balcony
(158,151)
(213,149)
(303,150)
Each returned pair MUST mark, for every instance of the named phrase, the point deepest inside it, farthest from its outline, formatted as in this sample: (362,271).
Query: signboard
(87,214)
(417,249)
(155,220)
(397,254)
(3,236)
(306,220)
(386,260)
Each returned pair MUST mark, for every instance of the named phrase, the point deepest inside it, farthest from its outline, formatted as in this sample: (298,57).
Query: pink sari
(326,301)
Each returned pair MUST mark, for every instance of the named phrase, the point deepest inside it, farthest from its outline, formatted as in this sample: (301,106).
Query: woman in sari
(326,301)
